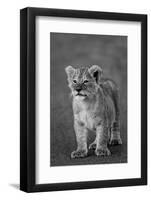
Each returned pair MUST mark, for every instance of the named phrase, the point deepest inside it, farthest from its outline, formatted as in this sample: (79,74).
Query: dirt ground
(109,52)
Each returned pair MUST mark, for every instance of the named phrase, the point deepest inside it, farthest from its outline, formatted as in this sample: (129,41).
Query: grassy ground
(109,52)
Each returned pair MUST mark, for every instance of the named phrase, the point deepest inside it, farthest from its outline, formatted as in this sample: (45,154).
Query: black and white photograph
(74,85)
(83,99)
(88,99)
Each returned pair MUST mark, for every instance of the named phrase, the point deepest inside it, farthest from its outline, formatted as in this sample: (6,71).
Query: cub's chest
(87,118)
(87,113)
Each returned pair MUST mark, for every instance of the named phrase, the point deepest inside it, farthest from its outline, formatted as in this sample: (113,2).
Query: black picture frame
(28,99)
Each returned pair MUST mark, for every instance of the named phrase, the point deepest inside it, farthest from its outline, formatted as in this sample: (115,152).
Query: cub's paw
(115,141)
(103,152)
(92,146)
(79,154)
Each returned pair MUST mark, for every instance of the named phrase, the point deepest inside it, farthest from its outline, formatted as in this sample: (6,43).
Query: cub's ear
(96,72)
(70,71)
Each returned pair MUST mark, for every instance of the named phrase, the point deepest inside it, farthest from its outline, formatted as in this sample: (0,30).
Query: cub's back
(108,86)
(111,93)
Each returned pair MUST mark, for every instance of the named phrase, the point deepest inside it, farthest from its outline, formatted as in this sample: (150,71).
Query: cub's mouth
(82,95)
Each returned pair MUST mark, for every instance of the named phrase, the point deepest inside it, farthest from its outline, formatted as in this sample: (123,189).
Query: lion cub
(95,107)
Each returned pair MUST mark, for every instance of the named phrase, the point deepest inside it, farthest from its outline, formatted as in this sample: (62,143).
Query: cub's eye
(85,81)
(74,81)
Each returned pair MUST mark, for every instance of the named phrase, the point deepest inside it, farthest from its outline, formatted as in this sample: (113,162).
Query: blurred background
(109,52)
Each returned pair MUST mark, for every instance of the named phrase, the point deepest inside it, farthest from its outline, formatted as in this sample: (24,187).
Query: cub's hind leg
(115,137)
(93,145)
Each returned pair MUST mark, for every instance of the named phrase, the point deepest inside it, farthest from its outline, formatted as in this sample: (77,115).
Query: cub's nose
(78,89)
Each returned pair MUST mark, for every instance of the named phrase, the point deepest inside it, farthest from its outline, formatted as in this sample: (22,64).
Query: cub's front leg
(81,136)
(101,141)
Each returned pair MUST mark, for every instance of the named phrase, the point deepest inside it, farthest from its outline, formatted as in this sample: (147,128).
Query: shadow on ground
(77,50)
(15,185)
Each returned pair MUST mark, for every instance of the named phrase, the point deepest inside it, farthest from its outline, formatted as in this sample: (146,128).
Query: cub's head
(84,81)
